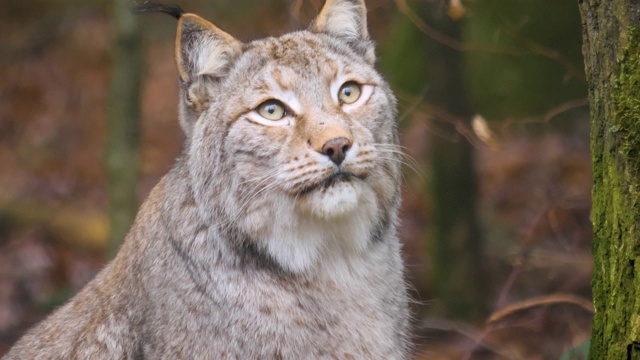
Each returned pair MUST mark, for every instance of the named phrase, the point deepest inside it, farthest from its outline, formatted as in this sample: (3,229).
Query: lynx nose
(336,149)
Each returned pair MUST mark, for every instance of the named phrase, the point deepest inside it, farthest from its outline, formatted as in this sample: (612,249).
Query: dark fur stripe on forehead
(151,7)
(341,47)
(316,43)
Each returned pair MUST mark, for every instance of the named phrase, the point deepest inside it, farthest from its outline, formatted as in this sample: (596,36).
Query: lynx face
(292,139)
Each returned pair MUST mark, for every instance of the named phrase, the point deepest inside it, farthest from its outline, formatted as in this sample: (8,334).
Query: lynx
(274,235)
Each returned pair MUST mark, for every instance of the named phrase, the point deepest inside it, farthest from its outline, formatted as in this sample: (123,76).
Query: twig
(449,41)
(541,301)
(532,47)
(461,125)
(519,261)
(414,103)
(536,48)
(460,328)
(518,264)
(549,115)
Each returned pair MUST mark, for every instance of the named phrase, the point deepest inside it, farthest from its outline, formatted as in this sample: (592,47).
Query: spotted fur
(257,245)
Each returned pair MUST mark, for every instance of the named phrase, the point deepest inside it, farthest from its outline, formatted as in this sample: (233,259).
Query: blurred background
(494,122)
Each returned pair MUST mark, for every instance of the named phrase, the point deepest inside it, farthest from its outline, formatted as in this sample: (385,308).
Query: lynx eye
(349,92)
(272,110)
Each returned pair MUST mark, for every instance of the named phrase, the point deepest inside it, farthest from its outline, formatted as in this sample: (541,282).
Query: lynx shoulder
(274,235)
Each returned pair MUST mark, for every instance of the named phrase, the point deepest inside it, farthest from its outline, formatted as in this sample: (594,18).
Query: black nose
(336,149)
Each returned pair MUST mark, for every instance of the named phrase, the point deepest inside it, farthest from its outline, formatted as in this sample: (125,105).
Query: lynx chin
(274,235)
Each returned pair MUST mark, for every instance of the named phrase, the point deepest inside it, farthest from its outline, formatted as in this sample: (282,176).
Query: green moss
(626,101)
(616,203)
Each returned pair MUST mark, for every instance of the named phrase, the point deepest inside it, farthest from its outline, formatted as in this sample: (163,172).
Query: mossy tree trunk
(456,239)
(611,33)
(121,154)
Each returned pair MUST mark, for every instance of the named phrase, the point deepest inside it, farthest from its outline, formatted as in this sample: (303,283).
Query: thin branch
(520,259)
(461,125)
(462,329)
(549,115)
(537,48)
(531,46)
(449,41)
(541,301)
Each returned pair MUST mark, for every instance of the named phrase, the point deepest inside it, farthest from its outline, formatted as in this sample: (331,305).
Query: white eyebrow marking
(290,99)
(286,96)
(336,84)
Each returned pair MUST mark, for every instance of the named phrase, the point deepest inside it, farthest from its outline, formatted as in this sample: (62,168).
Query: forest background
(493,116)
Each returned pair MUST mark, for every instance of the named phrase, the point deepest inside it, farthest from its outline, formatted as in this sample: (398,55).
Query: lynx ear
(203,49)
(204,53)
(347,20)
(342,18)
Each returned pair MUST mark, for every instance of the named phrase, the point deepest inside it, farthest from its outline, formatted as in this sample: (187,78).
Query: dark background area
(524,133)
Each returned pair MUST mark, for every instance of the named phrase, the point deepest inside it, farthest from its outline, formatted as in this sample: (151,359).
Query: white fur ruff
(324,225)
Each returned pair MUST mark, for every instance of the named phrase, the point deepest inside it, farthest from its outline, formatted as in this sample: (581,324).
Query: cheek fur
(256,176)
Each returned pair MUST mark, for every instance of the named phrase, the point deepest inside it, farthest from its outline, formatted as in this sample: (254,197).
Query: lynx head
(291,140)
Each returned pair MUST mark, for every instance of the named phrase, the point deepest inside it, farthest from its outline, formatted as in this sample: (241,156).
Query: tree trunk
(121,154)
(456,237)
(611,33)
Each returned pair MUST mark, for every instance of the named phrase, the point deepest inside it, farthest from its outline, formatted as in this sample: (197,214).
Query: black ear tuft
(151,7)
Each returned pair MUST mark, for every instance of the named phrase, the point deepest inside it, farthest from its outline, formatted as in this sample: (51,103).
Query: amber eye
(272,110)
(349,92)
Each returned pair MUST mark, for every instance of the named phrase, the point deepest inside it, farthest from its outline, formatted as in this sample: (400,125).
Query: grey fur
(243,251)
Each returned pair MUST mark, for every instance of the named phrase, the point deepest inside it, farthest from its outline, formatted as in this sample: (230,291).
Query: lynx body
(274,235)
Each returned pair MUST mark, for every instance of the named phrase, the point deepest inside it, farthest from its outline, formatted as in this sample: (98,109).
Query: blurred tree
(417,61)
(456,236)
(122,152)
(611,33)
(404,56)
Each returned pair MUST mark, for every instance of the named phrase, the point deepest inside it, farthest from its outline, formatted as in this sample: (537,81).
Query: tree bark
(611,34)
(121,154)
